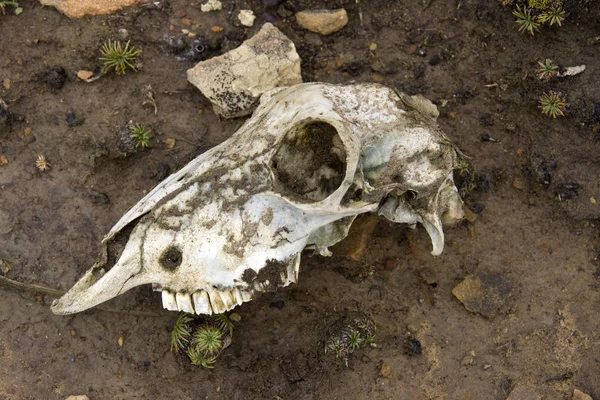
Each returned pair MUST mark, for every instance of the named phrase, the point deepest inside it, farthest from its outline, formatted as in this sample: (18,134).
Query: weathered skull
(233,222)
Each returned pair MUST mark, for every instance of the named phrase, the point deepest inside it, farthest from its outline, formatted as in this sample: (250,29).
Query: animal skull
(233,222)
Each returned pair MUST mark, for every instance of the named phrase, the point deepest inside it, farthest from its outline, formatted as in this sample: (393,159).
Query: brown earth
(465,55)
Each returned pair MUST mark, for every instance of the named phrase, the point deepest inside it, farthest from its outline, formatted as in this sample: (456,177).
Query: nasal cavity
(310,163)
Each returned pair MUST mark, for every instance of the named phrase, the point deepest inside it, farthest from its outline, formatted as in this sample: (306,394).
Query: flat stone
(81,8)
(234,81)
(484,293)
(579,395)
(324,22)
(523,393)
(355,244)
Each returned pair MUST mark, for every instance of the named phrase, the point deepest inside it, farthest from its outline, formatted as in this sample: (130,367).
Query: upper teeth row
(219,301)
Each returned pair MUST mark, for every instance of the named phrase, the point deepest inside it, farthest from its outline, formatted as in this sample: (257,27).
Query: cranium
(233,222)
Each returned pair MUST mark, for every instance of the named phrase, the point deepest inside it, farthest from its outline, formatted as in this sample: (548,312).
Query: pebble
(373,46)
(3,160)
(276,324)
(579,395)
(84,74)
(246,17)
(518,183)
(121,341)
(385,371)
(6,83)
(235,317)
(523,393)
(593,200)
(484,293)
(469,359)
(170,143)
(324,22)
(27,131)
(211,5)
(80,397)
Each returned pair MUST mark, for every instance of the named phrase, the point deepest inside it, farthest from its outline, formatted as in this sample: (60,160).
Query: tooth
(228,298)
(184,302)
(237,293)
(202,303)
(259,287)
(216,303)
(246,295)
(168,300)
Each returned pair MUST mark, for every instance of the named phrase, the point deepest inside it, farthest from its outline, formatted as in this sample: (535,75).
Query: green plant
(554,16)
(117,57)
(547,70)
(208,339)
(525,21)
(6,3)
(180,336)
(224,323)
(553,104)
(199,358)
(355,339)
(142,134)
(539,4)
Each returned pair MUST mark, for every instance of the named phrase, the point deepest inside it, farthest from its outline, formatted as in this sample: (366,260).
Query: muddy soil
(541,235)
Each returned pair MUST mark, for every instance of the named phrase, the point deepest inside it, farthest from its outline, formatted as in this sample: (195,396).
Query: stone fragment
(523,393)
(234,81)
(484,293)
(81,8)
(80,397)
(579,395)
(385,371)
(211,5)
(322,21)
(355,244)
(84,74)
(246,17)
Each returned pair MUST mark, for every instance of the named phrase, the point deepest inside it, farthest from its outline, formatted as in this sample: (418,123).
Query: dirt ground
(465,55)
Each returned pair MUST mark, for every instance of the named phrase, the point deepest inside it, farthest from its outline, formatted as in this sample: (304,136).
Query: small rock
(276,325)
(80,397)
(123,34)
(518,183)
(385,370)
(412,347)
(27,131)
(579,395)
(217,29)
(5,266)
(170,142)
(593,200)
(235,81)
(322,21)
(523,393)
(235,317)
(74,119)
(469,359)
(84,75)
(246,17)
(3,160)
(4,116)
(484,293)
(470,215)
(355,244)
(211,5)
(6,83)
(186,22)
(81,8)
(121,341)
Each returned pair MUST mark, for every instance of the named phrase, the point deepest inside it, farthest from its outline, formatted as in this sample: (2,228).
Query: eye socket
(171,258)
(310,163)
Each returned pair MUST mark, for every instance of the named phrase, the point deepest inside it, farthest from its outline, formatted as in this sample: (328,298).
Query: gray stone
(234,81)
